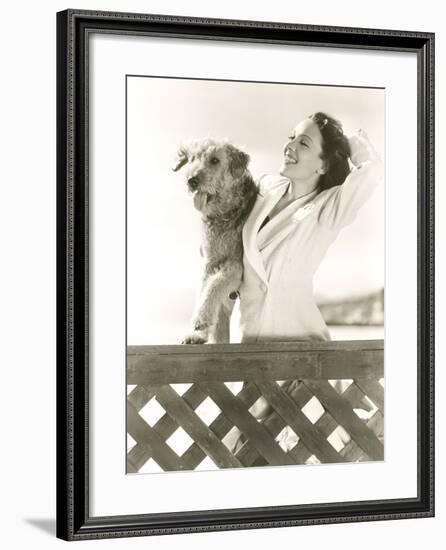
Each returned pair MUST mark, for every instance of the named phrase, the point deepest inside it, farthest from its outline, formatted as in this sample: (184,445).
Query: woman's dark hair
(335,151)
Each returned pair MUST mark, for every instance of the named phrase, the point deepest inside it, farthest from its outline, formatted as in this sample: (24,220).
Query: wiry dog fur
(224,193)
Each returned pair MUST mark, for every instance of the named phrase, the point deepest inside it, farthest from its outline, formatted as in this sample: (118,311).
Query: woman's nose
(289,147)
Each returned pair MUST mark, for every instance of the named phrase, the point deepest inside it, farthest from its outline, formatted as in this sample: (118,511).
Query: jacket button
(263,287)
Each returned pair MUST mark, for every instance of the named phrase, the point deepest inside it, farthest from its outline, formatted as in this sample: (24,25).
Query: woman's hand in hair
(361,148)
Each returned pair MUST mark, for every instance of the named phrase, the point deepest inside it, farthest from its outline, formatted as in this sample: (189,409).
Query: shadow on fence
(335,412)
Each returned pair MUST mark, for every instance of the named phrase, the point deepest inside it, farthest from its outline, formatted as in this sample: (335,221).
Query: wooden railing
(335,412)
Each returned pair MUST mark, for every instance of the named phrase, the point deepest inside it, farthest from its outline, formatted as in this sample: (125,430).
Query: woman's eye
(215,160)
(291,138)
(304,143)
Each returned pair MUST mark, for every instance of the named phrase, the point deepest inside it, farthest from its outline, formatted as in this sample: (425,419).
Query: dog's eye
(215,160)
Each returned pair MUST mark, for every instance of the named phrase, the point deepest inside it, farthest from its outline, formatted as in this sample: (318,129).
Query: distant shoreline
(366,310)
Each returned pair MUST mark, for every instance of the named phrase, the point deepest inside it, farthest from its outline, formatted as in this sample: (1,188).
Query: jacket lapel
(282,224)
(262,207)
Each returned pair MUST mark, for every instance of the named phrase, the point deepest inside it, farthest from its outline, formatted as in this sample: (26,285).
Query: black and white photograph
(255,224)
(245,275)
(220,296)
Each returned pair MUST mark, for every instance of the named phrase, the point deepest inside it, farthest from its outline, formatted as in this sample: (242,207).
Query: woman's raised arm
(343,201)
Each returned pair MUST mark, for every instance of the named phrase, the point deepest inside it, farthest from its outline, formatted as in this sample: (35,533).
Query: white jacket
(276,296)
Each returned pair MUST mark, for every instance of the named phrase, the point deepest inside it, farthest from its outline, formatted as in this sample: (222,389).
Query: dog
(224,192)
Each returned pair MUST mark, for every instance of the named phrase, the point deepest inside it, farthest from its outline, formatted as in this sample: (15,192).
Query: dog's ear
(181,159)
(238,161)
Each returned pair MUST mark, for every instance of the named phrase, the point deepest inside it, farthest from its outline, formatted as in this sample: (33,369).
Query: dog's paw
(196,337)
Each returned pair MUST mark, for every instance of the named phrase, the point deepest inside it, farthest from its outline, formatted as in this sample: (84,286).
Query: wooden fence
(335,412)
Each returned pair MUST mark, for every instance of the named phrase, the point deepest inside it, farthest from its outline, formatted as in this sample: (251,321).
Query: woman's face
(302,152)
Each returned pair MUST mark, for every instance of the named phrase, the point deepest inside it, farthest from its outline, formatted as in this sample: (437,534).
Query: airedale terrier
(224,192)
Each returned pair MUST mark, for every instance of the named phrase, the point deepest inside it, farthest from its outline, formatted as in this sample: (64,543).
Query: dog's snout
(193,182)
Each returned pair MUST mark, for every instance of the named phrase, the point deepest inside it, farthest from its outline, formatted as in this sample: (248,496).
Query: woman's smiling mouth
(288,158)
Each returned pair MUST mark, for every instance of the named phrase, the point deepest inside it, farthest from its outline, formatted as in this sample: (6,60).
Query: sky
(163,261)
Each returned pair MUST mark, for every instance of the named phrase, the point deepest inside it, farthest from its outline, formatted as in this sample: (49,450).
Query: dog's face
(212,170)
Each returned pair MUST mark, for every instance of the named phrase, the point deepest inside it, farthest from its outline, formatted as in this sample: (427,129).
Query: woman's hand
(361,148)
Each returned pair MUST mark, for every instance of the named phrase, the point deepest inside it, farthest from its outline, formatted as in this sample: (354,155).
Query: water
(354,332)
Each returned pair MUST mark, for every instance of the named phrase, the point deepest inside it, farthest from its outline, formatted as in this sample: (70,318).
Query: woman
(295,219)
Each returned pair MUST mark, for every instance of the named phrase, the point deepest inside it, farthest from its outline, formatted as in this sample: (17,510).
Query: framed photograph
(245,274)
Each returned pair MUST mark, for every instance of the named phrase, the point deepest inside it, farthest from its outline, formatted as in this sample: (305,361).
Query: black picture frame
(73,519)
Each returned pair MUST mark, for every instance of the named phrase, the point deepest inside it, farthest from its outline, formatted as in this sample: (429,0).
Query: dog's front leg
(216,288)
(220,332)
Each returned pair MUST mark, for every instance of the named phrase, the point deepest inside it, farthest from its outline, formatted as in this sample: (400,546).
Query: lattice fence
(184,408)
